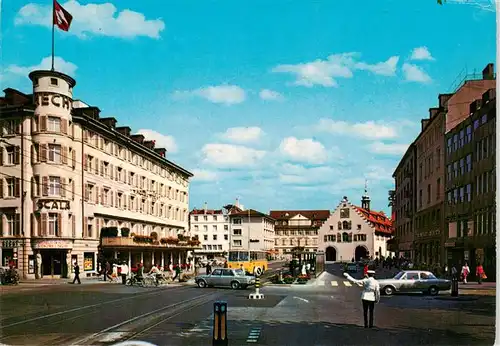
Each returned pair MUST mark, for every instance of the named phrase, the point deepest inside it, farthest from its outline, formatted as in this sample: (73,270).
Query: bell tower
(365,199)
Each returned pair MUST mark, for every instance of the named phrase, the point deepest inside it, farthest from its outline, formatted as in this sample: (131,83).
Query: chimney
(149,144)
(433,112)
(109,122)
(161,151)
(205,207)
(443,100)
(137,138)
(489,72)
(124,130)
(424,123)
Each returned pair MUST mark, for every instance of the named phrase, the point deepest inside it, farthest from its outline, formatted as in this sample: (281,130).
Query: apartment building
(251,230)
(471,187)
(297,229)
(68,174)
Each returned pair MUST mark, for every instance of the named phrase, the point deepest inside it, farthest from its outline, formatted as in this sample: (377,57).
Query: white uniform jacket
(371,288)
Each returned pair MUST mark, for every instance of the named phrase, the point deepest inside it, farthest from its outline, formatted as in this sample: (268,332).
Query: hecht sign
(47,99)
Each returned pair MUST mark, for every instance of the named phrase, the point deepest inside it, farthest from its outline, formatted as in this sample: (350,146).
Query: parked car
(352,267)
(225,277)
(409,281)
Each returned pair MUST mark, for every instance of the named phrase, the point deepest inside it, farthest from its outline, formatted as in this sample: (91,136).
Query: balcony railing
(130,242)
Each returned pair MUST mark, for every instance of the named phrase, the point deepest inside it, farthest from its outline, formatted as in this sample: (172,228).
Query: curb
(463,299)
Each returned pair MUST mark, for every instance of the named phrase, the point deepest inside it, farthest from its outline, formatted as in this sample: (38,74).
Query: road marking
(335,283)
(347,283)
(84,307)
(253,335)
(321,283)
(304,300)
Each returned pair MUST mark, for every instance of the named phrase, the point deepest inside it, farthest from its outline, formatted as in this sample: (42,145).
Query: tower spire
(365,199)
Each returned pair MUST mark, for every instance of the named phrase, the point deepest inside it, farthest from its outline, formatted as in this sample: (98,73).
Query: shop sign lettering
(53,205)
(10,244)
(54,99)
(53,244)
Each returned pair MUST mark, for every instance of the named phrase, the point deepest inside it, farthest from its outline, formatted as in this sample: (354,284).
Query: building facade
(297,228)
(405,203)
(251,230)
(353,232)
(471,187)
(211,226)
(74,174)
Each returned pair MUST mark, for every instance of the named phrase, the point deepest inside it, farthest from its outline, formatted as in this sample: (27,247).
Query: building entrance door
(53,262)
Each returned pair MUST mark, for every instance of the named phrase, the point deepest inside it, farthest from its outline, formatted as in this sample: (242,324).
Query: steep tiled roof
(379,220)
(310,214)
(206,212)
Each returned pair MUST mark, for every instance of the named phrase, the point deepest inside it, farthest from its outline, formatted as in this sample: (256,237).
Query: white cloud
(369,129)
(303,150)
(421,53)
(325,72)
(230,156)
(225,94)
(413,73)
(270,95)
(162,141)
(388,149)
(243,134)
(59,65)
(296,174)
(204,175)
(95,19)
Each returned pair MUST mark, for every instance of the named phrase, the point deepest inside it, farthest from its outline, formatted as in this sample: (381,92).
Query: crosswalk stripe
(335,283)
(347,283)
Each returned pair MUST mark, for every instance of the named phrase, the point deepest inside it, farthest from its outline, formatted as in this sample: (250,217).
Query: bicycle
(133,281)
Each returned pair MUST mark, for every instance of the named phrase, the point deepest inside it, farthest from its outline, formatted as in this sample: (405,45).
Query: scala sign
(53,204)
(58,100)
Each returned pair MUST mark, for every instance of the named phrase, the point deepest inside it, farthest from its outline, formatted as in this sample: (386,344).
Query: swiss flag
(62,18)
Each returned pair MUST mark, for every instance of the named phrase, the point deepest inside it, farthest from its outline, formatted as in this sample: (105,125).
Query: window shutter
(85,163)
(96,195)
(97,228)
(103,200)
(17,188)
(34,231)
(18,127)
(1,225)
(63,187)
(64,155)
(59,226)
(64,126)
(43,124)
(43,152)
(73,158)
(96,166)
(33,186)
(124,200)
(33,159)
(1,187)
(124,176)
(43,223)
(111,199)
(102,168)
(111,171)
(45,186)
(84,230)
(117,196)
(17,155)
(1,156)
(17,225)
(73,226)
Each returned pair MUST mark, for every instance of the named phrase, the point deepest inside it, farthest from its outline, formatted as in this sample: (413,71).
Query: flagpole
(53,9)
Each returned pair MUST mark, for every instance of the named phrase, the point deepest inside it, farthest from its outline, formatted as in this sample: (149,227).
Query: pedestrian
(465,272)
(370,295)
(365,270)
(209,269)
(480,274)
(76,270)
(108,272)
(124,273)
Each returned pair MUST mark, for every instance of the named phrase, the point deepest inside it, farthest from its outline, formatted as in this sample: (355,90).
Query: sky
(282,104)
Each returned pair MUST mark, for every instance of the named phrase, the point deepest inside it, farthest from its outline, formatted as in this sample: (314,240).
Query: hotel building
(75,187)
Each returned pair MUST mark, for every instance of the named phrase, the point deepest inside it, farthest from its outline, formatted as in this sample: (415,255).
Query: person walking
(76,271)
(480,274)
(124,273)
(370,295)
(465,272)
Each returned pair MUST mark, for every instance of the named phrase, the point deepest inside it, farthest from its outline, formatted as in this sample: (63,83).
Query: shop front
(52,257)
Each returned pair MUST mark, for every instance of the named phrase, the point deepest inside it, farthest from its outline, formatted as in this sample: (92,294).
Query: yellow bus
(254,262)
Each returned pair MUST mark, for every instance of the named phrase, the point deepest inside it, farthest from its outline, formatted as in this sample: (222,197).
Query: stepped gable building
(470,209)
(297,229)
(355,232)
(211,227)
(74,184)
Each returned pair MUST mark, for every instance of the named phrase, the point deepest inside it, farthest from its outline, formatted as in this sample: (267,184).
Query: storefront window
(88,261)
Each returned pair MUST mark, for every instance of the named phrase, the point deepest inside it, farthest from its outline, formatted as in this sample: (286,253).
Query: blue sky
(284,104)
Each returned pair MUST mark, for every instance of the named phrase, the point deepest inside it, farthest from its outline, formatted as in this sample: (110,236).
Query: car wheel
(433,290)
(235,285)
(202,284)
(388,290)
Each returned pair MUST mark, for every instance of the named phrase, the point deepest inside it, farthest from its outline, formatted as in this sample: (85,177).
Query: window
(455,195)
(226,227)
(226,237)
(214,228)
(455,142)
(455,169)
(344,213)
(476,124)
(462,194)
(450,197)
(468,163)
(90,228)
(420,198)
(11,186)
(196,218)
(54,186)
(462,166)
(215,217)
(236,221)
(236,231)
(450,172)
(205,228)
(53,124)
(461,139)
(468,192)
(10,127)
(428,193)
(11,225)
(54,153)
(438,189)
(205,237)
(449,146)
(484,119)
(438,157)
(237,242)
(11,155)
(53,224)
(468,132)
(412,276)
(214,237)
(53,81)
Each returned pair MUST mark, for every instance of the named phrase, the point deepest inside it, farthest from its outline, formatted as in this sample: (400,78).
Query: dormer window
(53,81)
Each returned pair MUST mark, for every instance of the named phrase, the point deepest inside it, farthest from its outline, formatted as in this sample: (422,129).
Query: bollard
(220,324)
(454,286)
(257,294)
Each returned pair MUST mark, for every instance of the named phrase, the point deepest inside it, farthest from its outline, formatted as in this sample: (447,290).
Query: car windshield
(427,276)
(399,275)
(239,272)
